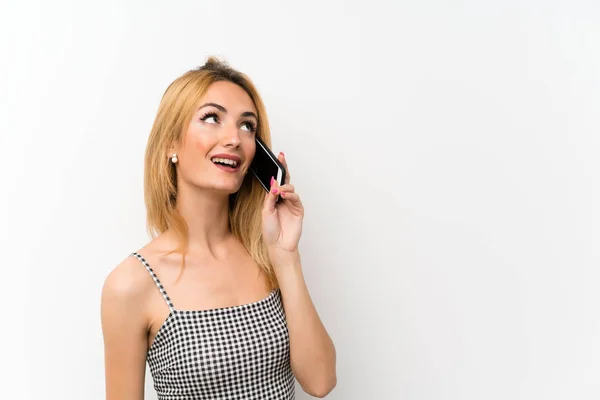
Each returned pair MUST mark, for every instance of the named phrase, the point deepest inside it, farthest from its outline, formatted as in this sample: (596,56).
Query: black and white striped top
(238,352)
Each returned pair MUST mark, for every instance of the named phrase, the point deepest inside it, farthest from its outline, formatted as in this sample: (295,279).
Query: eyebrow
(223,109)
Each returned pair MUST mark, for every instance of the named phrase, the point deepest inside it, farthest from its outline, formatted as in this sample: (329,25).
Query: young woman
(216,302)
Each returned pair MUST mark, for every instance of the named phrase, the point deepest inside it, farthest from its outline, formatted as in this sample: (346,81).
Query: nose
(231,136)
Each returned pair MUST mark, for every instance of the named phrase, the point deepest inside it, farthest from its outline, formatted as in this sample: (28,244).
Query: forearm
(312,351)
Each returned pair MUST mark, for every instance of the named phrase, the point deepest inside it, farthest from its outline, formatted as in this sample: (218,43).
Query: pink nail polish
(272,180)
(282,194)
(275,190)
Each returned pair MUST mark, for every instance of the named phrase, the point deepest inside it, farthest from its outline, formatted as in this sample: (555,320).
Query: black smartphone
(266,165)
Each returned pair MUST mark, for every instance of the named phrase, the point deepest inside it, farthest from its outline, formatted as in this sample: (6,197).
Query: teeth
(225,161)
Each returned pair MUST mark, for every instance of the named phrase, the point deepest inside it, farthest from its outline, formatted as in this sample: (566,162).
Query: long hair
(175,111)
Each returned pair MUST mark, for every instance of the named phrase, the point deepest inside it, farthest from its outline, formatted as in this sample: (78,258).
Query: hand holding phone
(266,165)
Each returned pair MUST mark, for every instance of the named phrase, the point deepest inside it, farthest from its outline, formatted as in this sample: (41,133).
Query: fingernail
(282,194)
(281,152)
(272,180)
(275,190)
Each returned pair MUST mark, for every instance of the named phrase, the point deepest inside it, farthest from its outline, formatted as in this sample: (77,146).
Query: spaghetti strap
(156,280)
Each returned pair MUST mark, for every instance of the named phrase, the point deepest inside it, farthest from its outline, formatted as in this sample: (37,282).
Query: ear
(172,149)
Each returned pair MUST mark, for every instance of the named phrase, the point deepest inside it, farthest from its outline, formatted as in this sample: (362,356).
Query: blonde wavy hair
(174,114)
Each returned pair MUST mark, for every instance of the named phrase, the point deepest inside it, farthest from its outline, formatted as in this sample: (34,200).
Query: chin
(225,185)
(228,188)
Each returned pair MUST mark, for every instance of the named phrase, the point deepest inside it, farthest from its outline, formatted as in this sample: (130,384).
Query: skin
(219,272)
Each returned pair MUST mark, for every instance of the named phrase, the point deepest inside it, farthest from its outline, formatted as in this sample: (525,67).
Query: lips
(226,162)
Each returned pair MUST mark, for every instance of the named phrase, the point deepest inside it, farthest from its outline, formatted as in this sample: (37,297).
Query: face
(219,145)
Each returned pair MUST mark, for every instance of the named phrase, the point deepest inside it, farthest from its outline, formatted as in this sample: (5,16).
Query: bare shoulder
(128,282)
(128,286)
(124,326)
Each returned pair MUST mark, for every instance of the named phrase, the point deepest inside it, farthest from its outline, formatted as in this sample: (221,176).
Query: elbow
(323,388)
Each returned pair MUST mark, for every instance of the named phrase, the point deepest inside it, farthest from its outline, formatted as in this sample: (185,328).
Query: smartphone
(266,165)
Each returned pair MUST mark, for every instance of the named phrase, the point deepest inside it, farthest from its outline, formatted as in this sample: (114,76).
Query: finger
(282,160)
(291,196)
(270,197)
(288,187)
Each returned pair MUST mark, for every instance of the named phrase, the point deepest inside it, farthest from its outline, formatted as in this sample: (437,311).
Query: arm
(124,331)
(312,352)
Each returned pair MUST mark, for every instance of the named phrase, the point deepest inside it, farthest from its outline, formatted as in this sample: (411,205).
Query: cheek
(200,144)
(250,147)
(199,141)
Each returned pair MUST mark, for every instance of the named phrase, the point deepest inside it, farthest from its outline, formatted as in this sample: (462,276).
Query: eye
(208,116)
(250,125)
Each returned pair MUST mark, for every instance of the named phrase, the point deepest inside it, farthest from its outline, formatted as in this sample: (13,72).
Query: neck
(206,214)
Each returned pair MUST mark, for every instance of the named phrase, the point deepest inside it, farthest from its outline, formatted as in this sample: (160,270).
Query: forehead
(229,95)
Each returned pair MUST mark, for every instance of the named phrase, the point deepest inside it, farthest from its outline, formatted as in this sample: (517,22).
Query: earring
(174,158)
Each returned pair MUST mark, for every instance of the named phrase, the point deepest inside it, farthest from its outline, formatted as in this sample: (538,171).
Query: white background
(447,153)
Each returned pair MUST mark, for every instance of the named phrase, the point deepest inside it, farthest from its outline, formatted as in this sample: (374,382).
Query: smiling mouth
(224,161)
(225,164)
